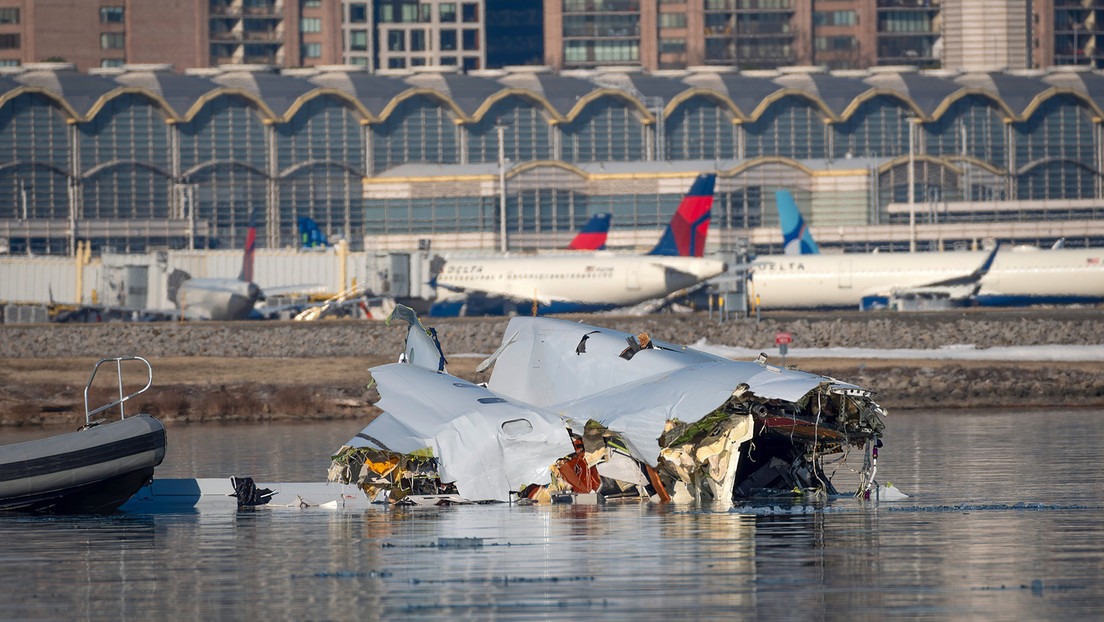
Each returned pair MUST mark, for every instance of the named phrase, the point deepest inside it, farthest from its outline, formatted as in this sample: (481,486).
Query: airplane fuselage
(561,284)
(217,299)
(841,281)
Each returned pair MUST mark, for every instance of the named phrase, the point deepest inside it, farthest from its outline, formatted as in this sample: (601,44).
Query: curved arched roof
(925,91)
(80,91)
(278,92)
(564,97)
(835,92)
(1017,92)
(7,84)
(562,92)
(375,92)
(467,92)
(179,91)
(745,92)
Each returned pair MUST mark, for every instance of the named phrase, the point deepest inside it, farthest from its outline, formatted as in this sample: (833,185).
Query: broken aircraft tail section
(573,409)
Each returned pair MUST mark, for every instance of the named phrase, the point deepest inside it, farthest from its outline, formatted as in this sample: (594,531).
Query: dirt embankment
(292,371)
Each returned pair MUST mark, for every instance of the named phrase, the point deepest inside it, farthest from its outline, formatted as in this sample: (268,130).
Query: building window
(672,46)
(111,62)
(447,11)
(470,63)
(417,62)
(360,61)
(395,41)
(825,44)
(312,4)
(396,63)
(471,40)
(470,12)
(9,16)
(358,40)
(417,40)
(111,15)
(312,50)
(310,24)
(672,20)
(358,13)
(9,41)
(448,39)
(835,18)
(111,41)
(448,60)
(9,62)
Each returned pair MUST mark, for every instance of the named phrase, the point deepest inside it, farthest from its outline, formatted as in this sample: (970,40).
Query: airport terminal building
(141,158)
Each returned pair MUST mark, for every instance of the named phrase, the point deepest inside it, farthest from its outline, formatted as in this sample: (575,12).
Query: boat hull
(90,471)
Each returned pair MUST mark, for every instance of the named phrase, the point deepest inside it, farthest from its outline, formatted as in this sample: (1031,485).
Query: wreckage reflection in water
(1003,523)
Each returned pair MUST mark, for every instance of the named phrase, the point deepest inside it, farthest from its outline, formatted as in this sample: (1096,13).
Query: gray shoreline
(483,335)
(899,384)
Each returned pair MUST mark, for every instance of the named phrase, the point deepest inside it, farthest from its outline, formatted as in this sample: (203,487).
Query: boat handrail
(118,360)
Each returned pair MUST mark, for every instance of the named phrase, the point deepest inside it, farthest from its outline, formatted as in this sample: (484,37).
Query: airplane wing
(286,290)
(953,291)
(974,278)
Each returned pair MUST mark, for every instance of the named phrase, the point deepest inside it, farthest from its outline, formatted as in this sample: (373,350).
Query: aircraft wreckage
(572,410)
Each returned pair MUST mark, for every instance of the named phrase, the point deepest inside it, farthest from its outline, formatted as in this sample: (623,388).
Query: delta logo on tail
(250,250)
(685,234)
(796,238)
(592,237)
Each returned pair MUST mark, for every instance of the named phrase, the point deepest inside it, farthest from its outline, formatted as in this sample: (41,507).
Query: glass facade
(235,159)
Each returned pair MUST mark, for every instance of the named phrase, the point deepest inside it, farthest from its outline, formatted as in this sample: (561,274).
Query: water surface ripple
(1003,523)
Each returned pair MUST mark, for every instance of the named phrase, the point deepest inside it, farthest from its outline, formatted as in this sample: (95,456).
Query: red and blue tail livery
(250,249)
(685,234)
(592,236)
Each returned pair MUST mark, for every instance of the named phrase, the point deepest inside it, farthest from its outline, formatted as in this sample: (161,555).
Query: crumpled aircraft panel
(572,407)
(484,443)
(639,410)
(542,366)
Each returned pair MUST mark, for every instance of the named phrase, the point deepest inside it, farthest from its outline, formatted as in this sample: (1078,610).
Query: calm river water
(1004,522)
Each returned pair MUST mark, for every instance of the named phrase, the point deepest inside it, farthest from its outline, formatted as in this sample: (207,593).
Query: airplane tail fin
(796,238)
(685,234)
(247,259)
(310,236)
(593,235)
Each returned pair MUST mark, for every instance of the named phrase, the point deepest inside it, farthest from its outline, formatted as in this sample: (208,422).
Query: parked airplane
(585,282)
(218,298)
(796,237)
(986,278)
(592,237)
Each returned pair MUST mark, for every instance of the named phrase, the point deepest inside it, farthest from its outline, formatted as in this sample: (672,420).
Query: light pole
(912,183)
(501,129)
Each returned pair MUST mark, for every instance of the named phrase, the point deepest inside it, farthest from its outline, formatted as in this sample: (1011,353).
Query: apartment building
(1067,32)
(430,33)
(207,33)
(839,34)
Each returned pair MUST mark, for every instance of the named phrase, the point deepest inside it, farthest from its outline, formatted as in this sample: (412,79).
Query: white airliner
(218,298)
(1005,277)
(585,282)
